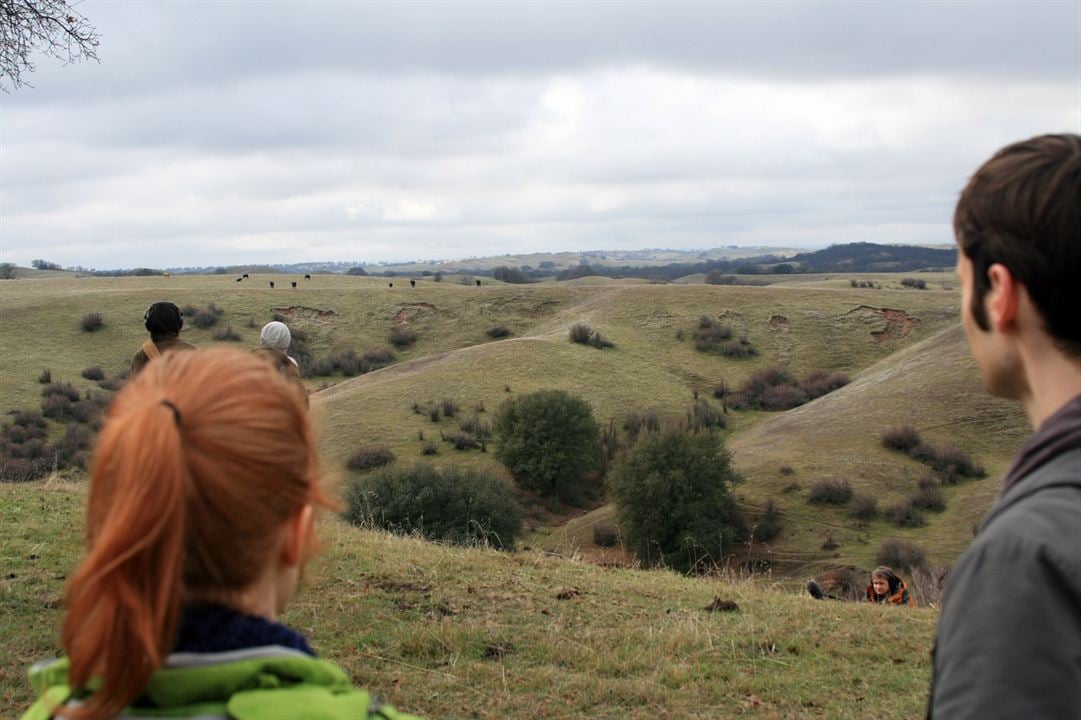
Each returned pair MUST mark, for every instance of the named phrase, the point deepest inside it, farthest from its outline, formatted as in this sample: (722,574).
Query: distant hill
(869,257)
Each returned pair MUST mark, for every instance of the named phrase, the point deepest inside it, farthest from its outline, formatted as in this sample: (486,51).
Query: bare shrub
(226,334)
(429,448)
(448,407)
(478,428)
(92,322)
(737,348)
(781,397)
(927,584)
(786,470)
(45,377)
(703,416)
(28,419)
(902,438)
(791,487)
(819,383)
(464,441)
(93,373)
(830,491)
(952,460)
(928,497)
(768,525)
(401,337)
(605,535)
(204,319)
(600,341)
(905,514)
(915,283)
(829,543)
(580,332)
(901,555)
(56,407)
(370,456)
(635,423)
(864,507)
(378,357)
(66,390)
(498,331)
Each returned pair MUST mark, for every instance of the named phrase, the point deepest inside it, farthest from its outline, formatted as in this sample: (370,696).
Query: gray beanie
(276,335)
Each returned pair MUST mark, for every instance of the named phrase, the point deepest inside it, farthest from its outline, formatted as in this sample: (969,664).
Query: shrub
(401,337)
(204,319)
(928,497)
(93,373)
(111,384)
(477,427)
(791,487)
(370,456)
(580,332)
(605,535)
(92,322)
(28,419)
(819,383)
(737,348)
(66,390)
(786,470)
(378,357)
(703,416)
(951,460)
(14,469)
(451,505)
(635,423)
(781,397)
(903,438)
(600,341)
(45,377)
(916,283)
(448,407)
(548,440)
(905,514)
(226,334)
(830,491)
(769,525)
(864,507)
(56,407)
(429,448)
(464,441)
(498,331)
(673,502)
(901,555)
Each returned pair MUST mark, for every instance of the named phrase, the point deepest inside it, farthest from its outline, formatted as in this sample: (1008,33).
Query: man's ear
(1002,298)
(298,532)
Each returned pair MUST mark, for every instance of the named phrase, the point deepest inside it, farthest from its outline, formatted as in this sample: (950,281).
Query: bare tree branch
(49,26)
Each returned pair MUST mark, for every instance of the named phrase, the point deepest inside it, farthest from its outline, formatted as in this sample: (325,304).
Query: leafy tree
(453,505)
(510,275)
(673,501)
(45,265)
(48,26)
(358,270)
(549,441)
(7,271)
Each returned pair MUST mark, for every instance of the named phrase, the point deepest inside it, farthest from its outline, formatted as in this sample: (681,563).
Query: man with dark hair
(1009,637)
(163,320)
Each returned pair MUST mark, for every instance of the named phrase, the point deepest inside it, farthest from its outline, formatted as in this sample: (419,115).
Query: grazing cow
(412,283)
(307,277)
(245,276)
(294,284)
(239,279)
(271,284)
(478,283)
(390,284)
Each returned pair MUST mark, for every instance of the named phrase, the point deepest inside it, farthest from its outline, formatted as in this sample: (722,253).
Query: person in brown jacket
(275,339)
(887,588)
(163,320)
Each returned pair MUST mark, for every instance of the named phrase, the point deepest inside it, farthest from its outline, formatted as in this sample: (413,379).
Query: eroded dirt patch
(302,312)
(411,313)
(889,324)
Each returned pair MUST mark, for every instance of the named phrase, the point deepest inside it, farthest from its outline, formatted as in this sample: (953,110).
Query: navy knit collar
(214,628)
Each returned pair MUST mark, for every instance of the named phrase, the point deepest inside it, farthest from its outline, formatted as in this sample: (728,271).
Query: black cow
(294,284)
(245,276)
(271,284)
(390,284)
(478,283)
(412,283)
(239,279)
(307,277)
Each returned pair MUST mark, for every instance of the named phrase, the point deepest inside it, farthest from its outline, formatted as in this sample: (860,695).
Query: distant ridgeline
(851,257)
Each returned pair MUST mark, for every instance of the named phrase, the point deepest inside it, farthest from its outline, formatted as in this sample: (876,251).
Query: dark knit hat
(163,319)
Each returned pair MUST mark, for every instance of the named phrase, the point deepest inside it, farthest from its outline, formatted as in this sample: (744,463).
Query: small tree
(7,271)
(549,441)
(673,502)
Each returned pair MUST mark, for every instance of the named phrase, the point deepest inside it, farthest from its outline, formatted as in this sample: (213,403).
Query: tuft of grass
(92,322)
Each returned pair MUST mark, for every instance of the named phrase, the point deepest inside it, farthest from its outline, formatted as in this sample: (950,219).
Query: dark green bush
(673,502)
(549,441)
(451,505)
(830,491)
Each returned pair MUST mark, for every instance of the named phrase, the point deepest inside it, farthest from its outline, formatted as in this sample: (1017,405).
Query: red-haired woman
(200,516)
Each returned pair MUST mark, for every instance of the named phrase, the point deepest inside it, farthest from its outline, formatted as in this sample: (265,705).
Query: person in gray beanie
(275,339)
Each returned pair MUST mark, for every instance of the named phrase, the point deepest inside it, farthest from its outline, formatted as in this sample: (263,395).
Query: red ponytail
(203,458)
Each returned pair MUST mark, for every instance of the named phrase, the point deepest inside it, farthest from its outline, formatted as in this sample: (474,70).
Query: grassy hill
(474,633)
(893,342)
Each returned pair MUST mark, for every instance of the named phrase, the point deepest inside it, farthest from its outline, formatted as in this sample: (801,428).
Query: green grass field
(473,633)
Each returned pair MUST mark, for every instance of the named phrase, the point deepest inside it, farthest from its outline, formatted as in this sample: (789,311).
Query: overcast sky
(261,132)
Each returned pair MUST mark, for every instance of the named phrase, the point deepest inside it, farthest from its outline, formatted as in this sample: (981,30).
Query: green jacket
(259,683)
